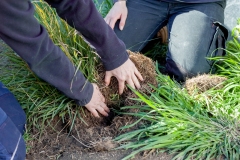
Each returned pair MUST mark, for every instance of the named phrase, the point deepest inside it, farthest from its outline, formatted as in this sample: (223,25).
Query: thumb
(107,78)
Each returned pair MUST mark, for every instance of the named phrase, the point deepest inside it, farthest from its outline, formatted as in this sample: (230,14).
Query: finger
(136,82)
(107,78)
(104,106)
(138,74)
(94,112)
(130,82)
(102,111)
(112,22)
(121,85)
(122,21)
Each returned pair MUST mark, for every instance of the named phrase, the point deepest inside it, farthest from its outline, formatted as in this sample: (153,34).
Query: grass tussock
(203,125)
(179,124)
(41,101)
(200,125)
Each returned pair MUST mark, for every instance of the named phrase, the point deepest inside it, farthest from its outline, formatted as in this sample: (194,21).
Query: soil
(90,142)
(93,139)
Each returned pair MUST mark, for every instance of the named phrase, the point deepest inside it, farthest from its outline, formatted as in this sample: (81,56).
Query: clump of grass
(225,100)
(229,64)
(177,123)
(204,126)
(40,100)
(67,38)
(104,6)
(236,31)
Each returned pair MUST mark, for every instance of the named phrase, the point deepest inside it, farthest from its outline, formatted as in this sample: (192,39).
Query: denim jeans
(12,126)
(195,33)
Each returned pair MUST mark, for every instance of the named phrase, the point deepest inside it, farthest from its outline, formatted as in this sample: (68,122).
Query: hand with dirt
(97,103)
(126,72)
(118,11)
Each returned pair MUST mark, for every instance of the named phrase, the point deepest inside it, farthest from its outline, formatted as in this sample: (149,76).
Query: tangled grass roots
(147,69)
(203,83)
(113,100)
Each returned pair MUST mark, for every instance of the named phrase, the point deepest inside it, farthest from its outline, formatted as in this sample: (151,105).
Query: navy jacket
(22,32)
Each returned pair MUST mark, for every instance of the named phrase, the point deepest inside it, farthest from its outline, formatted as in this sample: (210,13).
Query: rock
(232,13)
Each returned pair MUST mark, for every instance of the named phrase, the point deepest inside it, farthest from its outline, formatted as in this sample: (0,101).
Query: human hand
(118,11)
(126,72)
(97,103)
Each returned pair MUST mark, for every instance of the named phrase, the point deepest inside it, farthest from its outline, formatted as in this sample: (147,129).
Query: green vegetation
(180,124)
(103,7)
(40,100)
(202,126)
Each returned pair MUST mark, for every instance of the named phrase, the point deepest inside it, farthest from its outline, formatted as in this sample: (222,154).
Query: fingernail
(121,28)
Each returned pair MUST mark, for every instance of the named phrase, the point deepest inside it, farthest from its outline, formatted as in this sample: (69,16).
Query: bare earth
(84,142)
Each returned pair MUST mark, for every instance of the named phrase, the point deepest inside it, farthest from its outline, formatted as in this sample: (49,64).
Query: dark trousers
(195,32)
(12,127)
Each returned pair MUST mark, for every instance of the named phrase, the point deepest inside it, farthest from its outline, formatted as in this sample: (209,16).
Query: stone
(232,13)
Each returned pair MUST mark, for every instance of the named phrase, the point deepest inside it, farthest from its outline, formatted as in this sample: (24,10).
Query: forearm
(83,16)
(22,32)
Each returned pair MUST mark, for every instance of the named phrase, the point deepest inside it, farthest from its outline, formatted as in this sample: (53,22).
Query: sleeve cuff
(88,90)
(118,62)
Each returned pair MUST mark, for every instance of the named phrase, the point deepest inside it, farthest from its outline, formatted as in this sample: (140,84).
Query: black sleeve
(22,32)
(83,16)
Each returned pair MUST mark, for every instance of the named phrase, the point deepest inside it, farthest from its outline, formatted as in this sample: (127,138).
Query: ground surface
(91,142)
(60,145)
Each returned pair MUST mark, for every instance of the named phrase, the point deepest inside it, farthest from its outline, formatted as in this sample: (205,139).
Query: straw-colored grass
(40,100)
(197,126)
(203,126)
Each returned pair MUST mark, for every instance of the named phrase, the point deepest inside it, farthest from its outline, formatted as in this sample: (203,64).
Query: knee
(10,105)
(181,72)
(12,145)
(175,71)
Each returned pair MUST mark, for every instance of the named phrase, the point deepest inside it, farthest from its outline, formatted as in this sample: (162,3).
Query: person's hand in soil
(97,103)
(118,11)
(126,72)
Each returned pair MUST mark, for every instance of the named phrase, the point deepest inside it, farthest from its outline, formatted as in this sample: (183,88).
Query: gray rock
(232,13)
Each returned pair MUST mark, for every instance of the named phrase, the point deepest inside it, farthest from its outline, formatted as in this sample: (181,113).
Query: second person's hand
(126,72)
(97,103)
(118,11)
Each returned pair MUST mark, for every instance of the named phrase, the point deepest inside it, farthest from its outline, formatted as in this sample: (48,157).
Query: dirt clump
(98,129)
(147,69)
(90,134)
(202,83)
(50,142)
